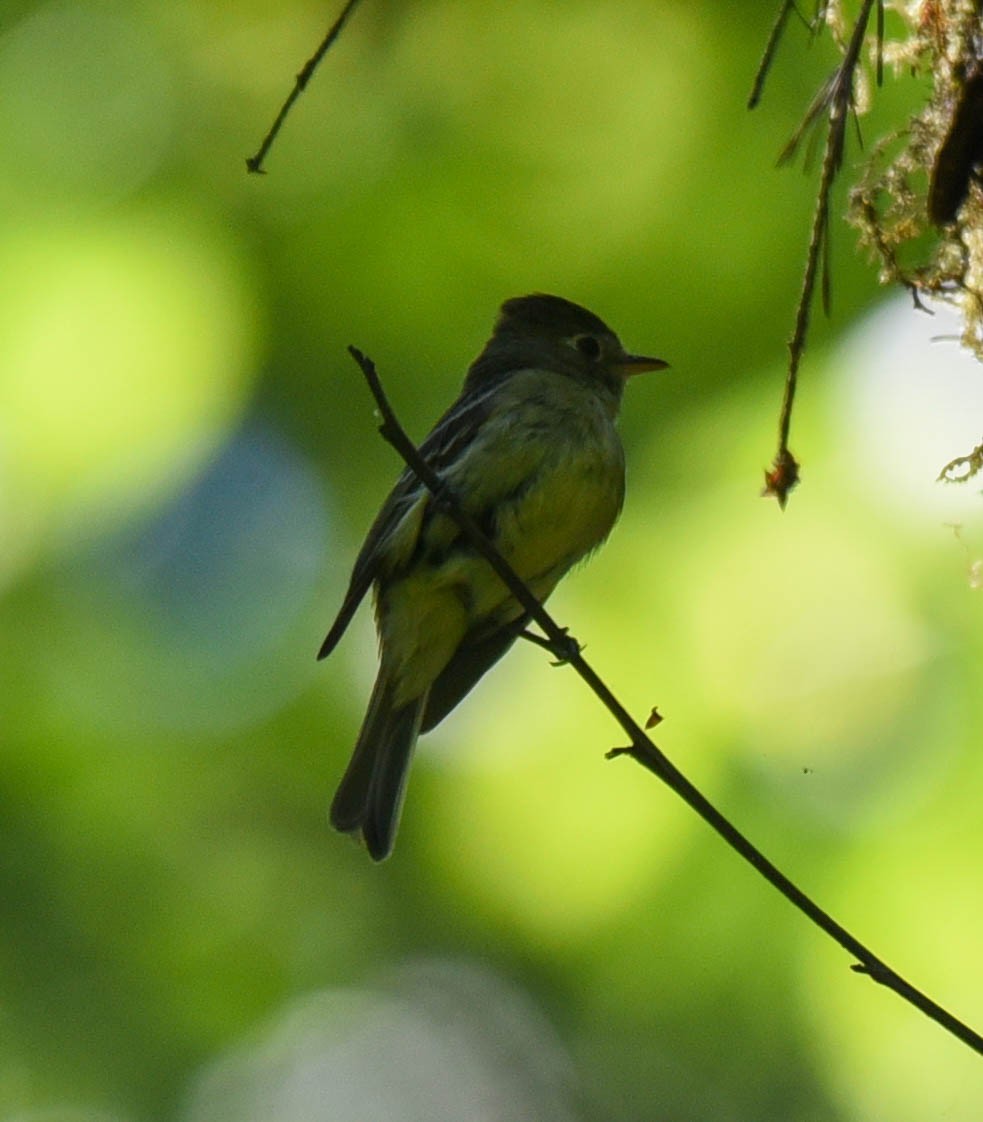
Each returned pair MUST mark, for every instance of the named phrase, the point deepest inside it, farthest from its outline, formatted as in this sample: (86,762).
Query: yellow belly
(546,473)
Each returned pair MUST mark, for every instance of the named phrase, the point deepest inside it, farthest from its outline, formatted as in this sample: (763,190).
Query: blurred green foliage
(188,459)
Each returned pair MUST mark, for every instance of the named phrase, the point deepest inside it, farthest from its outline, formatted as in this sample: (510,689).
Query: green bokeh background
(187,462)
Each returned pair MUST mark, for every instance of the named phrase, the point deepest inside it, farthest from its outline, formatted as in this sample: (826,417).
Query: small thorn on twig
(655,718)
(613,753)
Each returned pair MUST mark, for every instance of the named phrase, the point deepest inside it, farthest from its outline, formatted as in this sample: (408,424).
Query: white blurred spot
(912,400)
(445,1042)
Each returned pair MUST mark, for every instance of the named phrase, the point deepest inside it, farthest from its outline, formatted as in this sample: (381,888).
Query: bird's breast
(556,475)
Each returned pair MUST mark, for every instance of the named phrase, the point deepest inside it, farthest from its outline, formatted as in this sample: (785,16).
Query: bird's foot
(564,648)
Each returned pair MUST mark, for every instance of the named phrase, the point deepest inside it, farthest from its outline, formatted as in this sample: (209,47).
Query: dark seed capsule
(960,154)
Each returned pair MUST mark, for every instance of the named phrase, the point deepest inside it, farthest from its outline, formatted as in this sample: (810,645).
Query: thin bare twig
(641,748)
(769,52)
(255,163)
(834,100)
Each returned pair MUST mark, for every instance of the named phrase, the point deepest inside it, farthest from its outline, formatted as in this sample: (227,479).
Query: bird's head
(555,334)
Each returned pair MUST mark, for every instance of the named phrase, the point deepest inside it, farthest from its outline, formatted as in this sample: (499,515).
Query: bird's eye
(589,346)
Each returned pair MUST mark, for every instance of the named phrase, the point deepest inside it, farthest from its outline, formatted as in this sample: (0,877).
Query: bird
(530,450)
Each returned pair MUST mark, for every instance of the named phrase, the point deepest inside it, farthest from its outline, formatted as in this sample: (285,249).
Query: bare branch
(769,53)
(641,748)
(834,101)
(255,163)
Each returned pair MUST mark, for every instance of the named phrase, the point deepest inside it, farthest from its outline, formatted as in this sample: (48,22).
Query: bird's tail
(370,796)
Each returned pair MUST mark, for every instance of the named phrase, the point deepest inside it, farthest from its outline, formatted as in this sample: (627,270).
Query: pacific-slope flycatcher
(531,451)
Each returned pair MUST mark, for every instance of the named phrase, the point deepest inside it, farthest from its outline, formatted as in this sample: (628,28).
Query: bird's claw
(566,649)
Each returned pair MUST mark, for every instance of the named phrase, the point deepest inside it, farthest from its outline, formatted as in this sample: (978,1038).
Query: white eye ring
(588,345)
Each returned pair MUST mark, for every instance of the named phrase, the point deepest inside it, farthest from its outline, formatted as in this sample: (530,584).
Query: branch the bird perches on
(641,748)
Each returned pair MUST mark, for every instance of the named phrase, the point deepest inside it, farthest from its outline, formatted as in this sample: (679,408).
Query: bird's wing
(406,508)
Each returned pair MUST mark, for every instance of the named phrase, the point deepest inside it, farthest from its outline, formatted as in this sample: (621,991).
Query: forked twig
(641,748)
(255,163)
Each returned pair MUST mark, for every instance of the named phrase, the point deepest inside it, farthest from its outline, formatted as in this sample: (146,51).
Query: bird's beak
(639,364)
